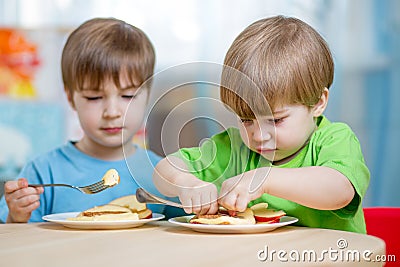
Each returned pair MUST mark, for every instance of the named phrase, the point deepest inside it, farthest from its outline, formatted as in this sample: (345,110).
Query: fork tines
(95,188)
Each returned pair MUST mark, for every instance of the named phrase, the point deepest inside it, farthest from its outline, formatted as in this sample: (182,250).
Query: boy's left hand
(237,191)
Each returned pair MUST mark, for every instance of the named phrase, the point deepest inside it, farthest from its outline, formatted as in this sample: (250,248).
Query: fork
(145,197)
(89,189)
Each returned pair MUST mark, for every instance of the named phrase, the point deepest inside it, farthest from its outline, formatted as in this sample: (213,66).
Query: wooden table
(163,244)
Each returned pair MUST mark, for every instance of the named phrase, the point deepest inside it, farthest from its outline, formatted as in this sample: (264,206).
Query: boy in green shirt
(284,152)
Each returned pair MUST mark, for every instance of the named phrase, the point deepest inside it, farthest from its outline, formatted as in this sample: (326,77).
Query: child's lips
(265,150)
(112,130)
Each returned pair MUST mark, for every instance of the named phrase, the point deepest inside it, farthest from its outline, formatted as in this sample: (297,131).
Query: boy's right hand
(172,178)
(21,200)
(200,198)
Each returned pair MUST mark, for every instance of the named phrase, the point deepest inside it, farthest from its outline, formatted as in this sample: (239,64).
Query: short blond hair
(284,57)
(106,48)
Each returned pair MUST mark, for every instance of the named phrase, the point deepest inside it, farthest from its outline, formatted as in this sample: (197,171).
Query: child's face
(281,136)
(104,116)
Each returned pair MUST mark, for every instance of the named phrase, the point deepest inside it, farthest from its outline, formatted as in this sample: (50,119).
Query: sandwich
(134,205)
(222,217)
(258,213)
(123,208)
(106,213)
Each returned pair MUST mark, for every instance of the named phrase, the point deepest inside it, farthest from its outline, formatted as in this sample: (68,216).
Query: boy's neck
(105,153)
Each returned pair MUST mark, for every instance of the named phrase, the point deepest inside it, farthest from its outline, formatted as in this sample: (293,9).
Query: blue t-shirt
(69,165)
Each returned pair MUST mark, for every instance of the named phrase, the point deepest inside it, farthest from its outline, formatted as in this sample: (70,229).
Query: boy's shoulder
(325,125)
(49,161)
(54,153)
(333,130)
(68,151)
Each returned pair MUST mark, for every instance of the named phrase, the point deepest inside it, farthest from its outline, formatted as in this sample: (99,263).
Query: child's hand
(21,200)
(199,198)
(236,192)
(172,178)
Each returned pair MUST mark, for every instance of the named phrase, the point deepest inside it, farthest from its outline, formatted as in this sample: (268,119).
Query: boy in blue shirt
(105,63)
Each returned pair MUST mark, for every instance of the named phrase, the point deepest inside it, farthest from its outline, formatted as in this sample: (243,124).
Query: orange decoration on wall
(18,62)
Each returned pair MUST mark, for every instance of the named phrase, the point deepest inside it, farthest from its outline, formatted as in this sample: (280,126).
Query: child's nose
(111,109)
(261,134)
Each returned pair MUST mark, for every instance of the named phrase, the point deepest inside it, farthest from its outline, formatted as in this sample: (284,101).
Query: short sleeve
(338,148)
(205,162)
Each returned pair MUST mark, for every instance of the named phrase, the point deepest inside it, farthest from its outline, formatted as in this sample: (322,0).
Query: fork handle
(45,185)
(145,197)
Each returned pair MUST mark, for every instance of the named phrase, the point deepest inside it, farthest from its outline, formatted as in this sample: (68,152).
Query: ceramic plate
(232,229)
(61,218)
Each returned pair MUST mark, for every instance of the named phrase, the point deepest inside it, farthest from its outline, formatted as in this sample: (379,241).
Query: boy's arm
(316,187)
(172,178)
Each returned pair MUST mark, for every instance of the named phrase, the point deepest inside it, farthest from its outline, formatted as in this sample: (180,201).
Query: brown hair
(106,48)
(287,61)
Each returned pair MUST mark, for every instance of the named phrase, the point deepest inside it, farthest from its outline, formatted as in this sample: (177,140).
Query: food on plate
(223,217)
(106,213)
(269,216)
(258,213)
(259,206)
(111,177)
(123,208)
(131,203)
(264,215)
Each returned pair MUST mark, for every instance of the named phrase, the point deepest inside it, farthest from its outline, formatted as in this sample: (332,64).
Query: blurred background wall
(364,36)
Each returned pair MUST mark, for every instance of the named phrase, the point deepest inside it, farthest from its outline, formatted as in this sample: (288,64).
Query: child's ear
(70,97)
(320,107)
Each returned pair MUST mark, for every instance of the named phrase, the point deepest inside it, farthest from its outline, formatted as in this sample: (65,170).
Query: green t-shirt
(333,145)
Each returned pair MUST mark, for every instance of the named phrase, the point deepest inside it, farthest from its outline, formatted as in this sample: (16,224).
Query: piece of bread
(123,208)
(258,213)
(106,213)
(129,202)
(245,217)
(134,205)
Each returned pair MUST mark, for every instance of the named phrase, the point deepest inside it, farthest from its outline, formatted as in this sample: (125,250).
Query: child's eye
(92,98)
(246,121)
(276,121)
(129,96)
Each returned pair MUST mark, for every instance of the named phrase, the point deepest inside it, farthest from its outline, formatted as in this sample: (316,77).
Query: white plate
(61,218)
(232,229)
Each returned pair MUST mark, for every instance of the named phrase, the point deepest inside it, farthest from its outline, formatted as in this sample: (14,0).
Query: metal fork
(89,189)
(145,197)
